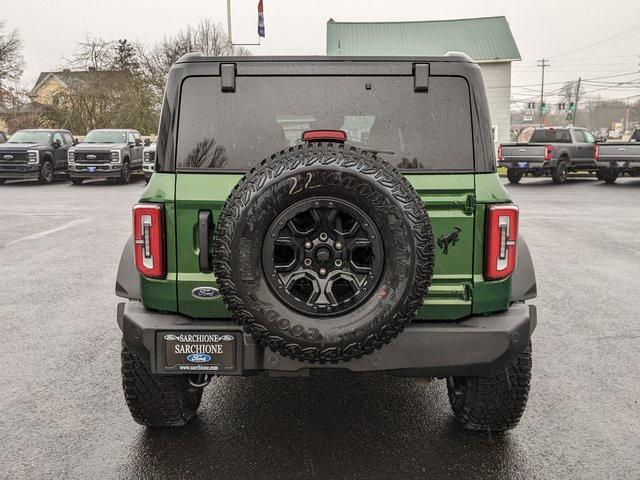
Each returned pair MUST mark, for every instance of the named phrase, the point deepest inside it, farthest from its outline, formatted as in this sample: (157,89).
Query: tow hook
(200,381)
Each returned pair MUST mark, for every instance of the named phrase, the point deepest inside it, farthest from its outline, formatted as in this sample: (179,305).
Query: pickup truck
(616,158)
(298,219)
(114,154)
(149,161)
(38,154)
(551,150)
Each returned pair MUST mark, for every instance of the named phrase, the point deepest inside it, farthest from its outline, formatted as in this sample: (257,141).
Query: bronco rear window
(411,130)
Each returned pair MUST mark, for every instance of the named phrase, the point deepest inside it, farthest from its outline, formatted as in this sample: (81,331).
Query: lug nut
(308,245)
(338,245)
(307,262)
(338,263)
(323,271)
(324,236)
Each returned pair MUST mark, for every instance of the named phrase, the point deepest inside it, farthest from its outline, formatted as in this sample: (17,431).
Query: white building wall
(497,81)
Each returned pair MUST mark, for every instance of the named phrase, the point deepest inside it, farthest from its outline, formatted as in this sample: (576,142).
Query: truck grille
(96,157)
(9,157)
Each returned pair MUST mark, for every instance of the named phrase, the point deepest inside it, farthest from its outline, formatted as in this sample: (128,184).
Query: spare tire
(323,252)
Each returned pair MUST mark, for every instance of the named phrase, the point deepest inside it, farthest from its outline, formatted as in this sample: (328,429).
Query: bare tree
(207,37)
(11,60)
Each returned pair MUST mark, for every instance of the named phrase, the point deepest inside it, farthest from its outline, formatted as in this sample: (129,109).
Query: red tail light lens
(502,234)
(548,152)
(324,135)
(500,152)
(596,152)
(148,236)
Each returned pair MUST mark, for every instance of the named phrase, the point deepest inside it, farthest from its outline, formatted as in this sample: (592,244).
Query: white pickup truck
(616,158)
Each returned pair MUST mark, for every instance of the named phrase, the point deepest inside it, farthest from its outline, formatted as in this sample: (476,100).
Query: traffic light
(562,106)
(544,107)
(572,106)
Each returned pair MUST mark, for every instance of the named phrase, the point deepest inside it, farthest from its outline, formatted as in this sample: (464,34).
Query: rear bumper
(473,346)
(530,164)
(622,164)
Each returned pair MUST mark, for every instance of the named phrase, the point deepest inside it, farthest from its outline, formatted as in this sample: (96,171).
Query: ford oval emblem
(205,293)
(198,358)
(91,157)
(8,157)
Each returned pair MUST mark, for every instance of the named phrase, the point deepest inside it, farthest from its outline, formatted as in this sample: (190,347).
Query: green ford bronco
(315,213)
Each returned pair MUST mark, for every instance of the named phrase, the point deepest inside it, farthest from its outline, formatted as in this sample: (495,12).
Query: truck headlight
(115,156)
(71,157)
(34,156)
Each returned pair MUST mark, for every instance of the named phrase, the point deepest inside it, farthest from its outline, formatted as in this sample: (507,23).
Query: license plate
(523,164)
(91,169)
(621,164)
(200,351)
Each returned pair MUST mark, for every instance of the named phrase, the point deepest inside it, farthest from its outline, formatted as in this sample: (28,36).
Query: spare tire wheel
(323,252)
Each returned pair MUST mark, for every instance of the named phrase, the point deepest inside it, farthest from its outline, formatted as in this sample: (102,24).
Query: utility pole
(575,107)
(229,22)
(544,63)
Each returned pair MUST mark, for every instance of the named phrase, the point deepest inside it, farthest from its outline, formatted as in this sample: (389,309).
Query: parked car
(114,154)
(324,253)
(149,161)
(554,150)
(617,158)
(3,137)
(38,154)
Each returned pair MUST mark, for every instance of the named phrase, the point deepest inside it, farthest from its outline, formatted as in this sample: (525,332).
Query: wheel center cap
(323,255)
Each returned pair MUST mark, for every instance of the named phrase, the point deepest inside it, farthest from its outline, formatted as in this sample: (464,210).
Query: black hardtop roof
(450,57)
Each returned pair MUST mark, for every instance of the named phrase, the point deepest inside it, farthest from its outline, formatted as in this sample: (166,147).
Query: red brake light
(548,152)
(596,153)
(148,237)
(500,152)
(324,135)
(500,247)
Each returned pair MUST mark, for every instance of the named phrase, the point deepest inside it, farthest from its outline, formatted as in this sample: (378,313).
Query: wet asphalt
(63,413)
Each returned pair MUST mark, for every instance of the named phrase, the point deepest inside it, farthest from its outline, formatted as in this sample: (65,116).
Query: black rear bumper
(473,346)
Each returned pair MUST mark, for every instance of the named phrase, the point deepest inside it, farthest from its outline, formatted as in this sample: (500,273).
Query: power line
(605,41)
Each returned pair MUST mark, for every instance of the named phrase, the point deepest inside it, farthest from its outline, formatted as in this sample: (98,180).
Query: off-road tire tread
(157,400)
(494,403)
(287,161)
(555,175)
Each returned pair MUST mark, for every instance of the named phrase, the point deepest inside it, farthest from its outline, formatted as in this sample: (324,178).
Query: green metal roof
(483,39)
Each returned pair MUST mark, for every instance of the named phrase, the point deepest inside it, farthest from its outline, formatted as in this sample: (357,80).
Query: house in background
(488,41)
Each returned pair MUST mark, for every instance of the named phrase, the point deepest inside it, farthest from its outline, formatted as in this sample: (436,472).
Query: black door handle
(205,224)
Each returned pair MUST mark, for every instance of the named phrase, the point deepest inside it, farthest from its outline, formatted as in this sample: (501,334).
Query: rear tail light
(548,152)
(502,234)
(148,236)
(324,135)
(596,153)
(500,153)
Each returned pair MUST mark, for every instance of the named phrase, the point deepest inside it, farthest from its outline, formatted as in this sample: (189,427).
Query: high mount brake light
(324,135)
(548,152)
(148,237)
(500,244)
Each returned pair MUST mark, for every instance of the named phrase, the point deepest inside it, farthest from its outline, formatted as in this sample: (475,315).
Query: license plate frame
(523,164)
(198,352)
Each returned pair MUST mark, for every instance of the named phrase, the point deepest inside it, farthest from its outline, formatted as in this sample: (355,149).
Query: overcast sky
(542,29)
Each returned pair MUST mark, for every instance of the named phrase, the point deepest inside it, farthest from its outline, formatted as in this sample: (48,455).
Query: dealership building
(488,41)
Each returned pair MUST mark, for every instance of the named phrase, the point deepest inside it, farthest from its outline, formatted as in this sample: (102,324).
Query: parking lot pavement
(63,412)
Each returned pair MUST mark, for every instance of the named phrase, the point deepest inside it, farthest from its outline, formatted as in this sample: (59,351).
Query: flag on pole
(260,20)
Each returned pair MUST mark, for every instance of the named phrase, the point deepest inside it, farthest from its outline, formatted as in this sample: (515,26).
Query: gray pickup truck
(617,158)
(114,154)
(552,150)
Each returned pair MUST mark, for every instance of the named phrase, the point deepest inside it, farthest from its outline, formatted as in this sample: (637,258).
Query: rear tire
(157,400)
(609,175)
(46,173)
(559,172)
(514,176)
(77,181)
(2,180)
(493,403)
